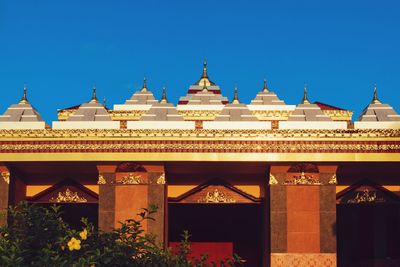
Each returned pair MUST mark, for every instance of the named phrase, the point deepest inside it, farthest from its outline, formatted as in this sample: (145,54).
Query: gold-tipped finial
(164,95)
(235,96)
(144,87)
(205,86)
(204,75)
(104,102)
(305,98)
(265,88)
(24,99)
(375,99)
(94,97)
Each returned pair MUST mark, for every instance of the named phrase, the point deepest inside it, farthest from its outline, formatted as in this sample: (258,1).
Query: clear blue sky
(61,48)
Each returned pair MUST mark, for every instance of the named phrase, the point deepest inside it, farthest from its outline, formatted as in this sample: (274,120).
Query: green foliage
(37,236)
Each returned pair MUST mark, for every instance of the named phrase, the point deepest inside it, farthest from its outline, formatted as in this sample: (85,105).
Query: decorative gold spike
(235,96)
(144,88)
(204,86)
(24,99)
(305,98)
(204,69)
(94,97)
(265,88)
(104,102)
(164,96)
(375,99)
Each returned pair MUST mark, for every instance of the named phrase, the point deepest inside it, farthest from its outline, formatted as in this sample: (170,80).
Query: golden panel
(126,115)
(68,197)
(199,115)
(339,115)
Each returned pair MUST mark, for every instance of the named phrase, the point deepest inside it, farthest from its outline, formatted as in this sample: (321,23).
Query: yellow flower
(74,244)
(83,234)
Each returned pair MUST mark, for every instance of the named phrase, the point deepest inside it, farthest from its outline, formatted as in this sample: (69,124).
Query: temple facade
(278,184)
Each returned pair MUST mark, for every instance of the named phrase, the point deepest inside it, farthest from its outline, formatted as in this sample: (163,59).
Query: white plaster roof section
(308,112)
(21,112)
(91,111)
(162,112)
(141,98)
(266,97)
(379,112)
(236,112)
(214,93)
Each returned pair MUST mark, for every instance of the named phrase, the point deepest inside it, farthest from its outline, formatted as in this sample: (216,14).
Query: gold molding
(131,179)
(143,134)
(302,179)
(199,115)
(101,180)
(6,176)
(339,115)
(68,197)
(268,115)
(216,197)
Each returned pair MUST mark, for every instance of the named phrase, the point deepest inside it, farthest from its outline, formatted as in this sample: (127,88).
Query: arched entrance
(221,220)
(368,232)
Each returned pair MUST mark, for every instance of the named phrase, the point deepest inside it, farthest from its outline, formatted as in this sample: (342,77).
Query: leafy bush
(37,236)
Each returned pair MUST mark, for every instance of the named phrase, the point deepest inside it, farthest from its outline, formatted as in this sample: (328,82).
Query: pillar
(303,217)
(124,193)
(4,193)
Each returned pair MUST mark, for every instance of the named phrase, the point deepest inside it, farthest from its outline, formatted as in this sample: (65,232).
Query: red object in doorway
(216,251)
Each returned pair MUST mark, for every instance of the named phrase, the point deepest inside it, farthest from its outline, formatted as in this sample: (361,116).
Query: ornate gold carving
(201,115)
(131,179)
(161,179)
(333,180)
(269,115)
(216,197)
(348,134)
(6,176)
(339,115)
(68,197)
(131,115)
(365,197)
(302,180)
(101,180)
(272,179)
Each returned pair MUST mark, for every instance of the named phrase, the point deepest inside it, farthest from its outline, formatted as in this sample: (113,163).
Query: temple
(279,184)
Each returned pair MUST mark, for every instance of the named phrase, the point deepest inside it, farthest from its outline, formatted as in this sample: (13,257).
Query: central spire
(24,99)
(305,98)
(205,86)
(375,99)
(204,69)
(144,87)
(265,88)
(235,96)
(164,96)
(94,97)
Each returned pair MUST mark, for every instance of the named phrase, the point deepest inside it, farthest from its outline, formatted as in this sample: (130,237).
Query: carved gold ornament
(365,197)
(333,180)
(216,197)
(101,180)
(68,197)
(131,179)
(272,179)
(302,180)
(6,176)
(161,179)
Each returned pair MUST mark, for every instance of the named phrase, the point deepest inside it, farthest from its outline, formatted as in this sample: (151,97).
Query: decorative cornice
(68,197)
(302,179)
(281,115)
(131,179)
(199,115)
(6,176)
(314,134)
(365,196)
(216,197)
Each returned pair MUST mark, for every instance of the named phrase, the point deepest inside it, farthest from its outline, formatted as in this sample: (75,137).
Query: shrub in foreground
(37,236)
